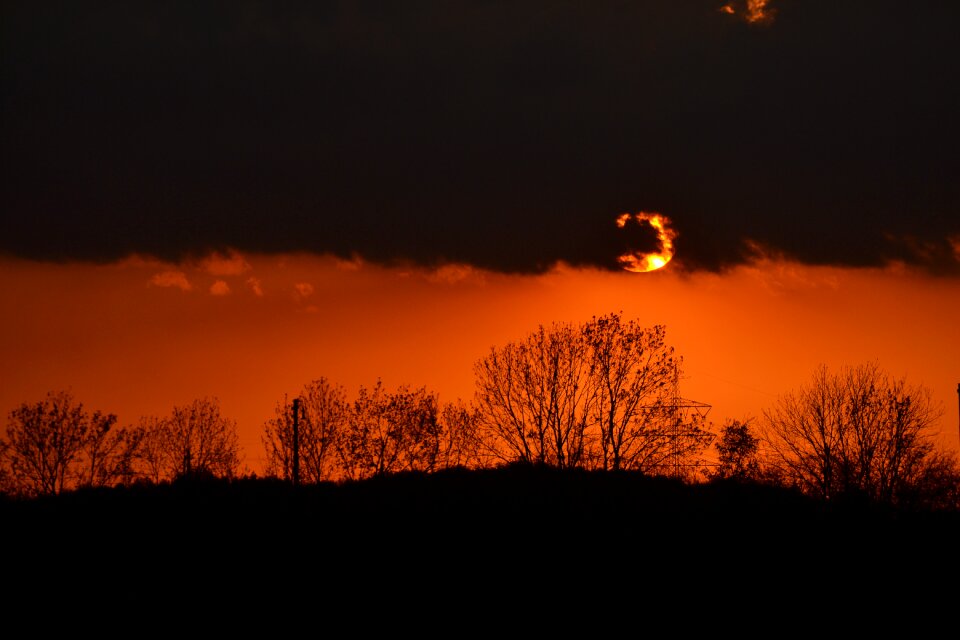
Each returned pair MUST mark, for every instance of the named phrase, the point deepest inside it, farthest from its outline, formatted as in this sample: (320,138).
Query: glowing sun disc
(640,262)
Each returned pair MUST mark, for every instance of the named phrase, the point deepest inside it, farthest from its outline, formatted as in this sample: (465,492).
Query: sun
(639,262)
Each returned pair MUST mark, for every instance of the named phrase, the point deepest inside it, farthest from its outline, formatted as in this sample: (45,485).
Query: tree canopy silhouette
(860,431)
(600,395)
(55,444)
(322,421)
(195,439)
(379,432)
(738,451)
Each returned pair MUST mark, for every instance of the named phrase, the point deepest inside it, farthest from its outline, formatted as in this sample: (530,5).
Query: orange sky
(137,337)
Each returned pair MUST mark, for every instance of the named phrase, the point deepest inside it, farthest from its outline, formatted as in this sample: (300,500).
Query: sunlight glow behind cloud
(639,262)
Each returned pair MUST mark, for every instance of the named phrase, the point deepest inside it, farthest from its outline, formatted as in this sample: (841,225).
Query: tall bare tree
(856,431)
(636,376)
(535,397)
(604,394)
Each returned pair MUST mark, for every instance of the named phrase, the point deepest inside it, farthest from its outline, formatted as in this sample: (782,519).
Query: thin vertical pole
(296,442)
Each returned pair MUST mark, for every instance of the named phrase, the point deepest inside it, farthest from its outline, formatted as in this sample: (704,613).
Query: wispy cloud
(256,286)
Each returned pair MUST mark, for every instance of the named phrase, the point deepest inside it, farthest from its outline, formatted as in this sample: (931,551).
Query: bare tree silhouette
(55,444)
(323,419)
(604,394)
(195,439)
(390,432)
(379,432)
(535,397)
(636,375)
(859,431)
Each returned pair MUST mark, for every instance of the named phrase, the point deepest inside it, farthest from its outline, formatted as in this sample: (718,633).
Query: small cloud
(171,278)
(232,264)
(302,291)
(955,245)
(255,286)
(220,288)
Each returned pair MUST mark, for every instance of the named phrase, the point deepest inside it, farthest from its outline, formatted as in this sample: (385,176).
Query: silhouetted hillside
(519,536)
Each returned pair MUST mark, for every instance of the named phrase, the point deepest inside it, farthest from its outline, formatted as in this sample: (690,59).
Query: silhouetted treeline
(601,395)
(55,444)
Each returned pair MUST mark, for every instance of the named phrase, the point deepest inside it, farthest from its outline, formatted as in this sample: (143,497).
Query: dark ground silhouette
(565,547)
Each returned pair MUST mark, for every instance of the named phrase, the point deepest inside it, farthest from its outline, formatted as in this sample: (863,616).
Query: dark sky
(506,134)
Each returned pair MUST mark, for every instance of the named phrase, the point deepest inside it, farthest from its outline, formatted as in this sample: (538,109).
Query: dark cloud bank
(504,134)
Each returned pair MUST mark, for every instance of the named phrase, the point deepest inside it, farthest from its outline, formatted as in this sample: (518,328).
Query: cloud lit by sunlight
(302,290)
(171,278)
(753,11)
(639,262)
(217,264)
(219,288)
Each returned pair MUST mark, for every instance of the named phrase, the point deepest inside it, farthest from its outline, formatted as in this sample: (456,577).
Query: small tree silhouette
(739,452)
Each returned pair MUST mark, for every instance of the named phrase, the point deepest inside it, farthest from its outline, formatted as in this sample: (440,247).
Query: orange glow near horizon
(638,262)
(126,341)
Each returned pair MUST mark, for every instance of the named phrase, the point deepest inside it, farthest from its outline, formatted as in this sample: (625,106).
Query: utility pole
(296,442)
